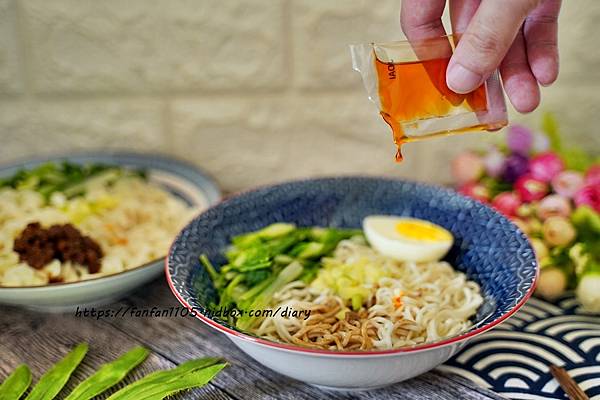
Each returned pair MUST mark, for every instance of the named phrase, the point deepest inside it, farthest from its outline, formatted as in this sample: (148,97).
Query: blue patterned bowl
(488,248)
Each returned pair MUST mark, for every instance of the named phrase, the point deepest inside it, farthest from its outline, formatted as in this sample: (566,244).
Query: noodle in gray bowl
(85,229)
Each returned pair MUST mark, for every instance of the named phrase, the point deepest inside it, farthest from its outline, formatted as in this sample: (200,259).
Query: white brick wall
(255,91)
(33,127)
(144,46)
(10,77)
(321,31)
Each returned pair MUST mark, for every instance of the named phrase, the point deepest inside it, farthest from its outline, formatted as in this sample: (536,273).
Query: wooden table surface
(42,339)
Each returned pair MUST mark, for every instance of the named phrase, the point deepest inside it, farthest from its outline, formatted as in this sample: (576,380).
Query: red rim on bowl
(288,347)
(300,349)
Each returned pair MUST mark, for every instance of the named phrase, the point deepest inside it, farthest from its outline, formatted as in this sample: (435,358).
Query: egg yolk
(419,231)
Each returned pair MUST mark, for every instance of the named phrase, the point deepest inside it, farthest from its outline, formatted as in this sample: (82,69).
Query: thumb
(486,41)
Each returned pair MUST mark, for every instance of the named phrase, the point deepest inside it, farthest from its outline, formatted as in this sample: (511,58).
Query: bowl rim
(333,353)
(211,191)
(83,282)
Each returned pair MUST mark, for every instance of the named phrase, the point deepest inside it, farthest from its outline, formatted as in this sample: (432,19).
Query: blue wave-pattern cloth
(514,358)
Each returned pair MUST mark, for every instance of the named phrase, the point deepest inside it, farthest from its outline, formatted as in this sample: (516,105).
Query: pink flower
(540,142)
(545,166)
(554,205)
(495,162)
(476,191)
(588,195)
(567,183)
(592,175)
(531,189)
(519,139)
(467,167)
(507,203)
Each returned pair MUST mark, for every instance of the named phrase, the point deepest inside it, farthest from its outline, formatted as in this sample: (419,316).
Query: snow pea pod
(51,383)
(109,375)
(159,391)
(159,378)
(16,384)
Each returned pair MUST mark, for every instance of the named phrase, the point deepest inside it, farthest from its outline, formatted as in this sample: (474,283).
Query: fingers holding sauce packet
(407,80)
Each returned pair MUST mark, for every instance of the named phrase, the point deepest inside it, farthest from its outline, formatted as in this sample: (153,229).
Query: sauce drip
(414,91)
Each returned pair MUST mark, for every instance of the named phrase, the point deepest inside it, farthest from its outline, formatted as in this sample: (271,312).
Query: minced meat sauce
(38,246)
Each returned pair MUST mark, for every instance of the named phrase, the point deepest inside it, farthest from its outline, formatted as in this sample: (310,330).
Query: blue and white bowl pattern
(488,247)
(514,358)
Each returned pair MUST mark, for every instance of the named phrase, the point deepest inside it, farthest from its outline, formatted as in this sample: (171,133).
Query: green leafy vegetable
(146,388)
(260,263)
(158,391)
(154,386)
(51,383)
(66,177)
(16,384)
(262,300)
(109,375)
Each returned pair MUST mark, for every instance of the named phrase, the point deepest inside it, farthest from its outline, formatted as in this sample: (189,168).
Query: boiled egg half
(407,239)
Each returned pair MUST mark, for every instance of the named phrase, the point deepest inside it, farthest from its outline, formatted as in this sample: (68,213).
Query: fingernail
(462,80)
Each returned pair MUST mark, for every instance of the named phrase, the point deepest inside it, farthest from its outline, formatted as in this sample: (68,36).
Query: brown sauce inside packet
(407,80)
(417,90)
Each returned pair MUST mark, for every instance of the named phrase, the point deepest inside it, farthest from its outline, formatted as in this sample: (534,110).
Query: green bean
(188,381)
(109,375)
(16,384)
(159,378)
(160,390)
(51,383)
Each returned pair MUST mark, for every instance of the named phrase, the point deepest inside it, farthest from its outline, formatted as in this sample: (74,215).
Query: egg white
(381,233)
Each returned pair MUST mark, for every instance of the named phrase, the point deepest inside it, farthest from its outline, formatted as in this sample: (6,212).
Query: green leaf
(587,223)
(214,275)
(584,217)
(592,268)
(256,265)
(250,294)
(275,230)
(576,159)
(269,232)
(66,177)
(235,288)
(256,277)
(160,390)
(16,384)
(136,390)
(51,383)
(109,375)
(496,186)
(257,261)
(311,268)
(106,177)
(287,275)
(550,128)
(314,250)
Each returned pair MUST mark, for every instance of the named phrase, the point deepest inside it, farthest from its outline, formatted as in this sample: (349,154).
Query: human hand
(517,36)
